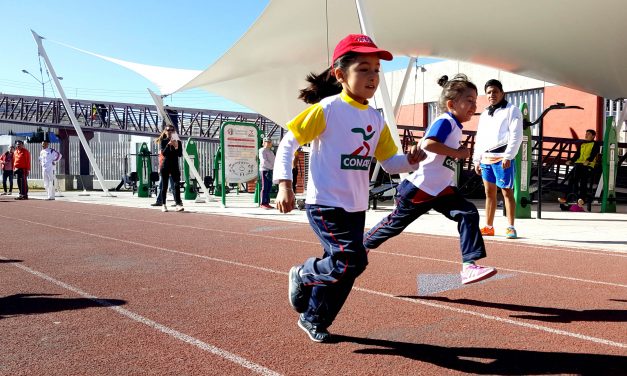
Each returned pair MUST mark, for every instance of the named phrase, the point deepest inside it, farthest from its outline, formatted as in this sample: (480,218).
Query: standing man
(21,168)
(6,162)
(498,138)
(48,158)
(266,164)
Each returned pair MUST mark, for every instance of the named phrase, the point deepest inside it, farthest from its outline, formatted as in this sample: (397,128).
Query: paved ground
(586,230)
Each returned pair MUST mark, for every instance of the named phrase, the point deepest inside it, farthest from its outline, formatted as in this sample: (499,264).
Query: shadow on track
(31,304)
(4,261)
(547,314)
(491,361)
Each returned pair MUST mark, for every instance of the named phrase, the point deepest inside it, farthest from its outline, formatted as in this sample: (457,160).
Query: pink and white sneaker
(472,273)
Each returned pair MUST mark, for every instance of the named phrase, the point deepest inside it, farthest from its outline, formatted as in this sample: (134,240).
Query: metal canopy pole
(66,103)
(159,103)
(388,110)
(397,108)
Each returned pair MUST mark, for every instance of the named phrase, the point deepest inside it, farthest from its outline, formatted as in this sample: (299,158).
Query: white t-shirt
(344,137)
(436,172)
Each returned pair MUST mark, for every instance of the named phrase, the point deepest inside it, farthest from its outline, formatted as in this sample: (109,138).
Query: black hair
(325,84)
(594,133)
(493,82)
(452,89)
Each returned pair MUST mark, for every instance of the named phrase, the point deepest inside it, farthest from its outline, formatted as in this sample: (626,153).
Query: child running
(430,187)
(345,133)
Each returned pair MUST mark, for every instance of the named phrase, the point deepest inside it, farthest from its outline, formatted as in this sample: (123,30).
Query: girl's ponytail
(320,86)
(325,84)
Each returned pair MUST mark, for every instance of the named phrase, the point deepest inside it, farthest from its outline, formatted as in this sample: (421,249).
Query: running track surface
(104,290)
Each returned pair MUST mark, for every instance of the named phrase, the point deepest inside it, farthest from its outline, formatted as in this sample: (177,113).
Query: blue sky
(189,34)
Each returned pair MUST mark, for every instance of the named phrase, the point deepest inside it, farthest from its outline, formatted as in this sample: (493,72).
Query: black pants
(22,182)
(7,174)
(581,181)
(166,174)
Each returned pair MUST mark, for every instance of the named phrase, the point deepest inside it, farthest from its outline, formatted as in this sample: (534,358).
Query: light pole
(43,84)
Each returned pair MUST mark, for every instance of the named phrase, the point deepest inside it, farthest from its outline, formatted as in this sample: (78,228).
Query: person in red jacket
(21,167)
(6,162)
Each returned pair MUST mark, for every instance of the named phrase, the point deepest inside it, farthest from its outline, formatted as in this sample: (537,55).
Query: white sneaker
(179,208)
(164,208)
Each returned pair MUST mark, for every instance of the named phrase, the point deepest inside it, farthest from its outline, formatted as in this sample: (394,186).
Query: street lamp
(43,84)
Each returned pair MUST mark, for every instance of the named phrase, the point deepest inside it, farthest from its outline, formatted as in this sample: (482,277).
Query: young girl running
(345,133)
(430,187)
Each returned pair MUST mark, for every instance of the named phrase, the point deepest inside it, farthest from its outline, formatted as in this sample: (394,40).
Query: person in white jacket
(48,158)
(499,135)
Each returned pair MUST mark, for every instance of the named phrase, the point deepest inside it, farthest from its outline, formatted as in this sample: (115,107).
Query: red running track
(104,290)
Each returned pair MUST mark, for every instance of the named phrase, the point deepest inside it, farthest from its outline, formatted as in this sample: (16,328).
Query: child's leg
(402,216)
(464,212)
(344,259)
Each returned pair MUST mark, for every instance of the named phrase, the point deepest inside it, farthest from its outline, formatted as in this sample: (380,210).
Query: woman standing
(171,150)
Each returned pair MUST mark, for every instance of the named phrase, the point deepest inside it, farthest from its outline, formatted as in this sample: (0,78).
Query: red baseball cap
(359,43)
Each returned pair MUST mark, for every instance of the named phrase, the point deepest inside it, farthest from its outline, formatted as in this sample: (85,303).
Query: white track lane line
(371,251)
(373,292)
(155,325)
(521,243)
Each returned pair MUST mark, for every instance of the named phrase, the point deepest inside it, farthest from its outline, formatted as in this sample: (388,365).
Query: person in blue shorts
(499,135)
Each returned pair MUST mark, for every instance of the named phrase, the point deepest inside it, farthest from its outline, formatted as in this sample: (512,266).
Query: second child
(431,186)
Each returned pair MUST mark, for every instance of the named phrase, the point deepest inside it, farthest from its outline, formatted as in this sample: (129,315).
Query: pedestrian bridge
(125,118)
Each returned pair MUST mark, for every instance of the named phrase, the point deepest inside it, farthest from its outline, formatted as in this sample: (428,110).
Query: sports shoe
(485,231)
(266,206)
(298,293)
(315,333)
(156,204)
(561,200)
(510,233)
(3,194)
(179,208)
(164,208)
(474,273)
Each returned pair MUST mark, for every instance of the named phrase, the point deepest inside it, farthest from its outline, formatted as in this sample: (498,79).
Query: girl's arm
(436,147)
(282,173)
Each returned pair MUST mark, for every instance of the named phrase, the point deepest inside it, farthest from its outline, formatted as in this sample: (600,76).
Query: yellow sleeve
(308,125)
(386,146)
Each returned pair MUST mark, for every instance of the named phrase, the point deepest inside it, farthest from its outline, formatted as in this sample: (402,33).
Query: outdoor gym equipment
(522,162)
(556,106)
(143,167)
(190,188)
(610,167)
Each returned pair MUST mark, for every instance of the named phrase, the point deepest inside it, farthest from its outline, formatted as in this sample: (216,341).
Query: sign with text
(240,145)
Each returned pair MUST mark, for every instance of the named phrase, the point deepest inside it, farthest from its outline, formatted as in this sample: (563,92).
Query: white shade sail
(574,44)
(168,80)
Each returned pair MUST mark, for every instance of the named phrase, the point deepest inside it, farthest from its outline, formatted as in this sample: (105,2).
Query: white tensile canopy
(577,44)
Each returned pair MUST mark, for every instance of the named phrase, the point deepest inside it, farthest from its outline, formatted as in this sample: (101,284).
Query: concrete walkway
(594,230)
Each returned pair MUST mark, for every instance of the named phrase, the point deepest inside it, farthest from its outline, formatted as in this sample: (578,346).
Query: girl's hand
(463,153)
(416,154)
(285,200)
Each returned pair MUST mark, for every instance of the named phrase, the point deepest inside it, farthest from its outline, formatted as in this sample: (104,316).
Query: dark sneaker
(298,293)
(315,333)
(156,204)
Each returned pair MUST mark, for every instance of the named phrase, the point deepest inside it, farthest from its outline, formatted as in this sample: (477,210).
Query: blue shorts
(495,174)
